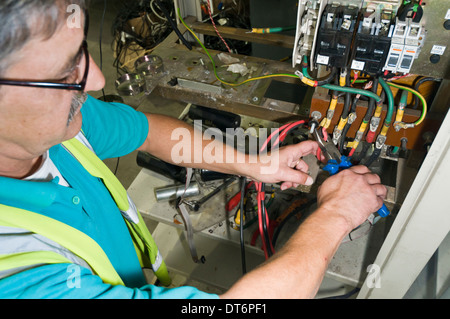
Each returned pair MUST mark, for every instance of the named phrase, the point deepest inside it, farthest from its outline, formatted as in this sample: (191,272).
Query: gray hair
(23,20)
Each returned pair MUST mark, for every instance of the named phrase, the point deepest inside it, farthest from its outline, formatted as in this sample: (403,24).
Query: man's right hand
(353,193)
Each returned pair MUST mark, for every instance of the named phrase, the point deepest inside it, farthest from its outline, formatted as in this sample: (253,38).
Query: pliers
(336,162)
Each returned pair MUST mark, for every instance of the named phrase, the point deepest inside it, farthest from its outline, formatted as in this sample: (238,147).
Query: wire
(343,88)
(418,84)
(215,67)
(421,98)
(214,25)
(263,218)
(344,296)
(390,98)
(273,30)
(294,212)
(297,75)
(241,226)
(173,24)
(100,44)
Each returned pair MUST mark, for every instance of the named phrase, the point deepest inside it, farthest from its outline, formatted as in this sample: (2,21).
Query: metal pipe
(173,192)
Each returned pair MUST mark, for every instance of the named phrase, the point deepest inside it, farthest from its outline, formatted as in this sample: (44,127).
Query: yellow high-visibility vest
(76,241)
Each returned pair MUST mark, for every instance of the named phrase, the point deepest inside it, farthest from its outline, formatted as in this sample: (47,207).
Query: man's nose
(95,80)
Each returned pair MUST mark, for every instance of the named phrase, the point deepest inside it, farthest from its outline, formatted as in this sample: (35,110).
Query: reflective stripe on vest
(73,239)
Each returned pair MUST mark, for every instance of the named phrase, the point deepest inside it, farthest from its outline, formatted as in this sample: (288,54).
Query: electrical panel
(368,46)
(370,36)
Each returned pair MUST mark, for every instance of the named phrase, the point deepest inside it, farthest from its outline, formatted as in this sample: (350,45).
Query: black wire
(371,107)
(347,125)
(135,40)
(100,44)
(375,154)
(172,23)
(294,212)
(416,88)
(344,296)
(328,79)
(241,226)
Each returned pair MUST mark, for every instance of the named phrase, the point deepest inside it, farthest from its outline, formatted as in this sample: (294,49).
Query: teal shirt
(113,130)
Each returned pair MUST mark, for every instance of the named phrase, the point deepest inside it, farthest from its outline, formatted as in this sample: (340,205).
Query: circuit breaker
(335,35)
(372,41)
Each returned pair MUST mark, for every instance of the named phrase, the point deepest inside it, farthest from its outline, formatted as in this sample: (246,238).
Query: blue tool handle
(333,167)
(383,211)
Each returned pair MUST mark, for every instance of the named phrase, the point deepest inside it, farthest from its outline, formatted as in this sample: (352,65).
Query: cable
(339,88)
(421,98)
(418,84)
(279,135)
(214,25)
(264,222)
(100,44)
(344,296)
(294,212)
(304,79)
(273,30)
(174,26)
(241,226)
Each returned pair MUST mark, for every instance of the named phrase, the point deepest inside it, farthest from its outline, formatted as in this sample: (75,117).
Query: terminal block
(335,34)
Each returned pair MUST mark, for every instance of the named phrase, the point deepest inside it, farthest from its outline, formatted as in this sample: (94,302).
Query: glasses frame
(55,85)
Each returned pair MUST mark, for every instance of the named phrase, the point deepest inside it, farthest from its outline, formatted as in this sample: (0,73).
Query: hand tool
(337,162)
(195,205)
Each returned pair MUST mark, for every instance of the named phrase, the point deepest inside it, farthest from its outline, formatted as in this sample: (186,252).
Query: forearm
(177,142)
(297,270)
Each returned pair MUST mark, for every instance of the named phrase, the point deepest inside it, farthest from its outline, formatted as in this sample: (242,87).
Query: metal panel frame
(422,224)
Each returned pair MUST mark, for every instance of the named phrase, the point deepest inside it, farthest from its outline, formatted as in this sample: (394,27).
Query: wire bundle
(274,140)
(136,40)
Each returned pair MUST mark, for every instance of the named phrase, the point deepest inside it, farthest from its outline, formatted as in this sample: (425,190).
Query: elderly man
(67,230)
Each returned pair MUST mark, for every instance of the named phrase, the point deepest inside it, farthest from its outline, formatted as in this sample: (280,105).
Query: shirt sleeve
(70,281)
(113,129)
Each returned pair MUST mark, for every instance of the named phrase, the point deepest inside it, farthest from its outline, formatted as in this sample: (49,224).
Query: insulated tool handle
(333,167)
(383,211)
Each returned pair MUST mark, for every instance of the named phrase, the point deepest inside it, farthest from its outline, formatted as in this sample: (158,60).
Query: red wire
(351,152)
(283,134)
(272,135)
(261,229)
(260,192)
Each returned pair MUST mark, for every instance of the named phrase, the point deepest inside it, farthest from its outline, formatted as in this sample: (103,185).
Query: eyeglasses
(58,84)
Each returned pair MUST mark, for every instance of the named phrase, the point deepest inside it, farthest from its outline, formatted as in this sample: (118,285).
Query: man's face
(34,119)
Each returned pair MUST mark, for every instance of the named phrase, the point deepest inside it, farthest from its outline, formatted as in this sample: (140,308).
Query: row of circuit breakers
(365,36)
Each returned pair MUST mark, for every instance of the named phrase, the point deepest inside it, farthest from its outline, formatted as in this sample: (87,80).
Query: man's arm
(173,141)
(296,271)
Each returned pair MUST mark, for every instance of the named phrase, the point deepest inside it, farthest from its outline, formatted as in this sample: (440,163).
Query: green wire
(390,98)
(326,86)
(214,64)
(342,88)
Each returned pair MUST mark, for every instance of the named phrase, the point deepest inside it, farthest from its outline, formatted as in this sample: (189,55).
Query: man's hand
(354,193)
(286,165)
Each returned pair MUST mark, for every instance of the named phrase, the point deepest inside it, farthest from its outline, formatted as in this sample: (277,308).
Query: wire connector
(374,123)
(381,139)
